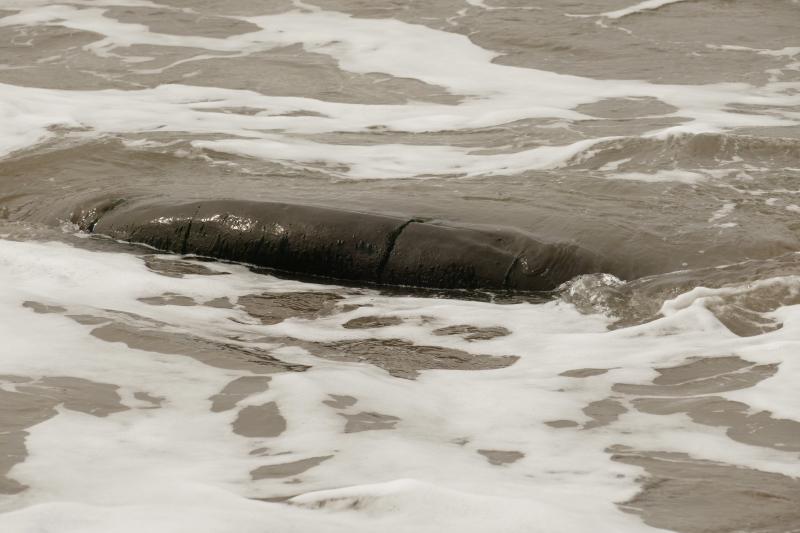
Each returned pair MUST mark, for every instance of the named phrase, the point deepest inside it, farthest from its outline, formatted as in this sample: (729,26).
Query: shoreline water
(461,265)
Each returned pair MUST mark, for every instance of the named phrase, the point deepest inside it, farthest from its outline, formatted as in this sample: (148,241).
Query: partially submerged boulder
(349,245)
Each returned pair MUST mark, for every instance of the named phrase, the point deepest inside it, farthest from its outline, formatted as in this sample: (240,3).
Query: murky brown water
(662,137)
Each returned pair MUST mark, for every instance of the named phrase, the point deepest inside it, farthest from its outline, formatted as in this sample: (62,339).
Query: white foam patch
(789,51)
(181,466)
(614,165)
(648,5)
(401,160)
(495,94)
(722,212)
(682,176)
(412,504)
(482,4)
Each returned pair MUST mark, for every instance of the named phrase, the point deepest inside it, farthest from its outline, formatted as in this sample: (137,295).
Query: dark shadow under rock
(694,496)
(368,322)
(368,422)
(275,308)
(403,359)
(473,333)
(287,469)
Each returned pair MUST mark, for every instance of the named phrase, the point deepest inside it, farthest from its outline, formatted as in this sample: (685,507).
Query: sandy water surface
(143,391)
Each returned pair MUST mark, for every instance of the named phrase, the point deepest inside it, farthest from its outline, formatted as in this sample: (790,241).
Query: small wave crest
(744,297)
(690,151)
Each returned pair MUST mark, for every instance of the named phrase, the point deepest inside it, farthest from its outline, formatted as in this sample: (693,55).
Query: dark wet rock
(42,308)
(237,390)
(403,359)
(499,458)
(368,322)
(275,308)
(293,238)
(694,496)
(584,372)
(177,269)
(368,422)
(36,401)
(340,402)
(708,375)
(473,333)
(758,429)
(287,469)
(558,424)
(256,421)
(216,354)
(444,257)
(349,245)
(604,412)
(169,299)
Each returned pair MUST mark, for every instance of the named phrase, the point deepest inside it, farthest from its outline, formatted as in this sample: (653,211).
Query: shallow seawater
(144,391)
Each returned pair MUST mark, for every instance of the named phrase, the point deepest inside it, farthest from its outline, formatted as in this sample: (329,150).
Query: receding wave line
(638,8)
(688,151)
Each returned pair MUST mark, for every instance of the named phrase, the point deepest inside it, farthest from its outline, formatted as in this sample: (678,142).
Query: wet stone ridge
(350,246)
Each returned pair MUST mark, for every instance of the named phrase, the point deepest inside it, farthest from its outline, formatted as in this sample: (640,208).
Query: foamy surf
(532,433)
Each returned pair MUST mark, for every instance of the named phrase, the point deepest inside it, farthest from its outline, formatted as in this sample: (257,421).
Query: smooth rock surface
(350,245)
